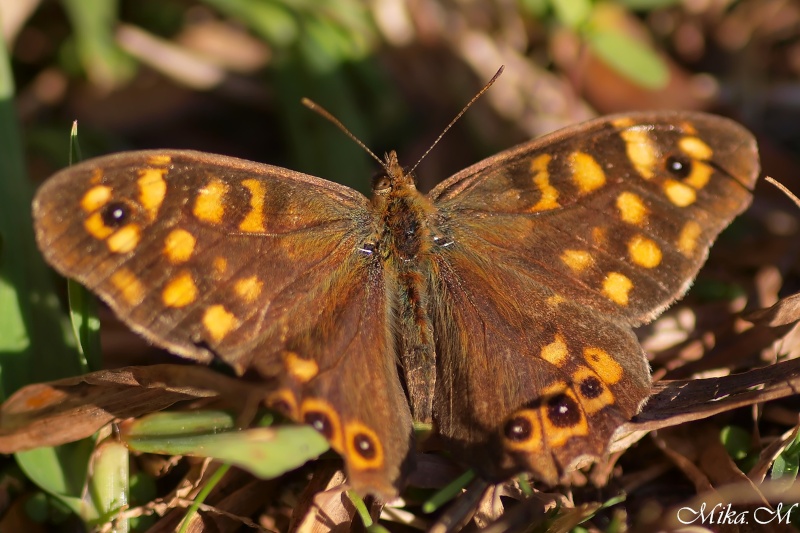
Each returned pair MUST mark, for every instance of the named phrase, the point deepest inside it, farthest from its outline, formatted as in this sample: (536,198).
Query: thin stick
(783,188)
(313,106)
(464,110)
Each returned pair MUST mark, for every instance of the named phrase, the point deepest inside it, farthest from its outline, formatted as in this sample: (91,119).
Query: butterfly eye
(381,182)
(679,166)
(116,214)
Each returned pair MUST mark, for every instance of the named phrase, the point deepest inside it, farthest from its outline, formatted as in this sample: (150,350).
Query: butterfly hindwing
(526,380)
(336,370)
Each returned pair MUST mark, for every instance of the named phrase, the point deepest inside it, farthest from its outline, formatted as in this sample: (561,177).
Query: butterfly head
(393,177)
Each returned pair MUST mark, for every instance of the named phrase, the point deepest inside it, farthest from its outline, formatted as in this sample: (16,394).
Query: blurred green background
(227,76)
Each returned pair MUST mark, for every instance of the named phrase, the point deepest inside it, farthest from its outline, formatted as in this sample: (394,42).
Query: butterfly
(499,307)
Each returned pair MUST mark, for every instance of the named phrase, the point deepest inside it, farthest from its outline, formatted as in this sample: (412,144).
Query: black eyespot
(518,429)
(591,388)
(281,406)
(320,422)
(381,182)
(563,411)
(679,166)
(115,214)
(364,446)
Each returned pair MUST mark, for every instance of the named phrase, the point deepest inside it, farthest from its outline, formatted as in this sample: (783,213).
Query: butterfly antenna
(783,189)
(469,104)
(313,106)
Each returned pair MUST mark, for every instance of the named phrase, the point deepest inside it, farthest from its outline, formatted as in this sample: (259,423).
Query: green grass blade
(209,485)
(449,492)
(82,304)
(33,335)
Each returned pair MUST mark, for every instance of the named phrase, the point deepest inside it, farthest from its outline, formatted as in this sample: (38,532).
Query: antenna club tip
(496,75)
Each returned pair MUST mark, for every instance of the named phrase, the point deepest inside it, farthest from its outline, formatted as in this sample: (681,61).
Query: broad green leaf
(61,472)
(33,331)
(179,423)
(265,452)
(736,441)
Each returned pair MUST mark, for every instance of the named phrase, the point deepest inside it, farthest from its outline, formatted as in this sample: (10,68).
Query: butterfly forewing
(617,214)
(173,239)
(553,250)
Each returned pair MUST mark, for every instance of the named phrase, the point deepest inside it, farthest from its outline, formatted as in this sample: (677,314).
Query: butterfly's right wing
(210,256)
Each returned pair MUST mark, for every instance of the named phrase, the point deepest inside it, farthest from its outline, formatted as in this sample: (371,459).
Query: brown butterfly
(499,306)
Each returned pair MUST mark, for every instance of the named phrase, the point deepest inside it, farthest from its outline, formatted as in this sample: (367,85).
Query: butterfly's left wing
(547,255)
(215,257)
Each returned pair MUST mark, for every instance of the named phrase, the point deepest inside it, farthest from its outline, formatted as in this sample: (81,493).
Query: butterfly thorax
(403,214)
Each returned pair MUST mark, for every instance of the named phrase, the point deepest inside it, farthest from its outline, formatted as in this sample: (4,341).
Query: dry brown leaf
(491,507)
(327,510)
(17,518)
(49,414)
(715,461)
(227,508)
(675,445)
(569,519)
(493,516)
(461,509)
(785,311)
(679,401)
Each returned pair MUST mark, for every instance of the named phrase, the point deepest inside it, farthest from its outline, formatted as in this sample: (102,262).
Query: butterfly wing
(550,253)
(209,256)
